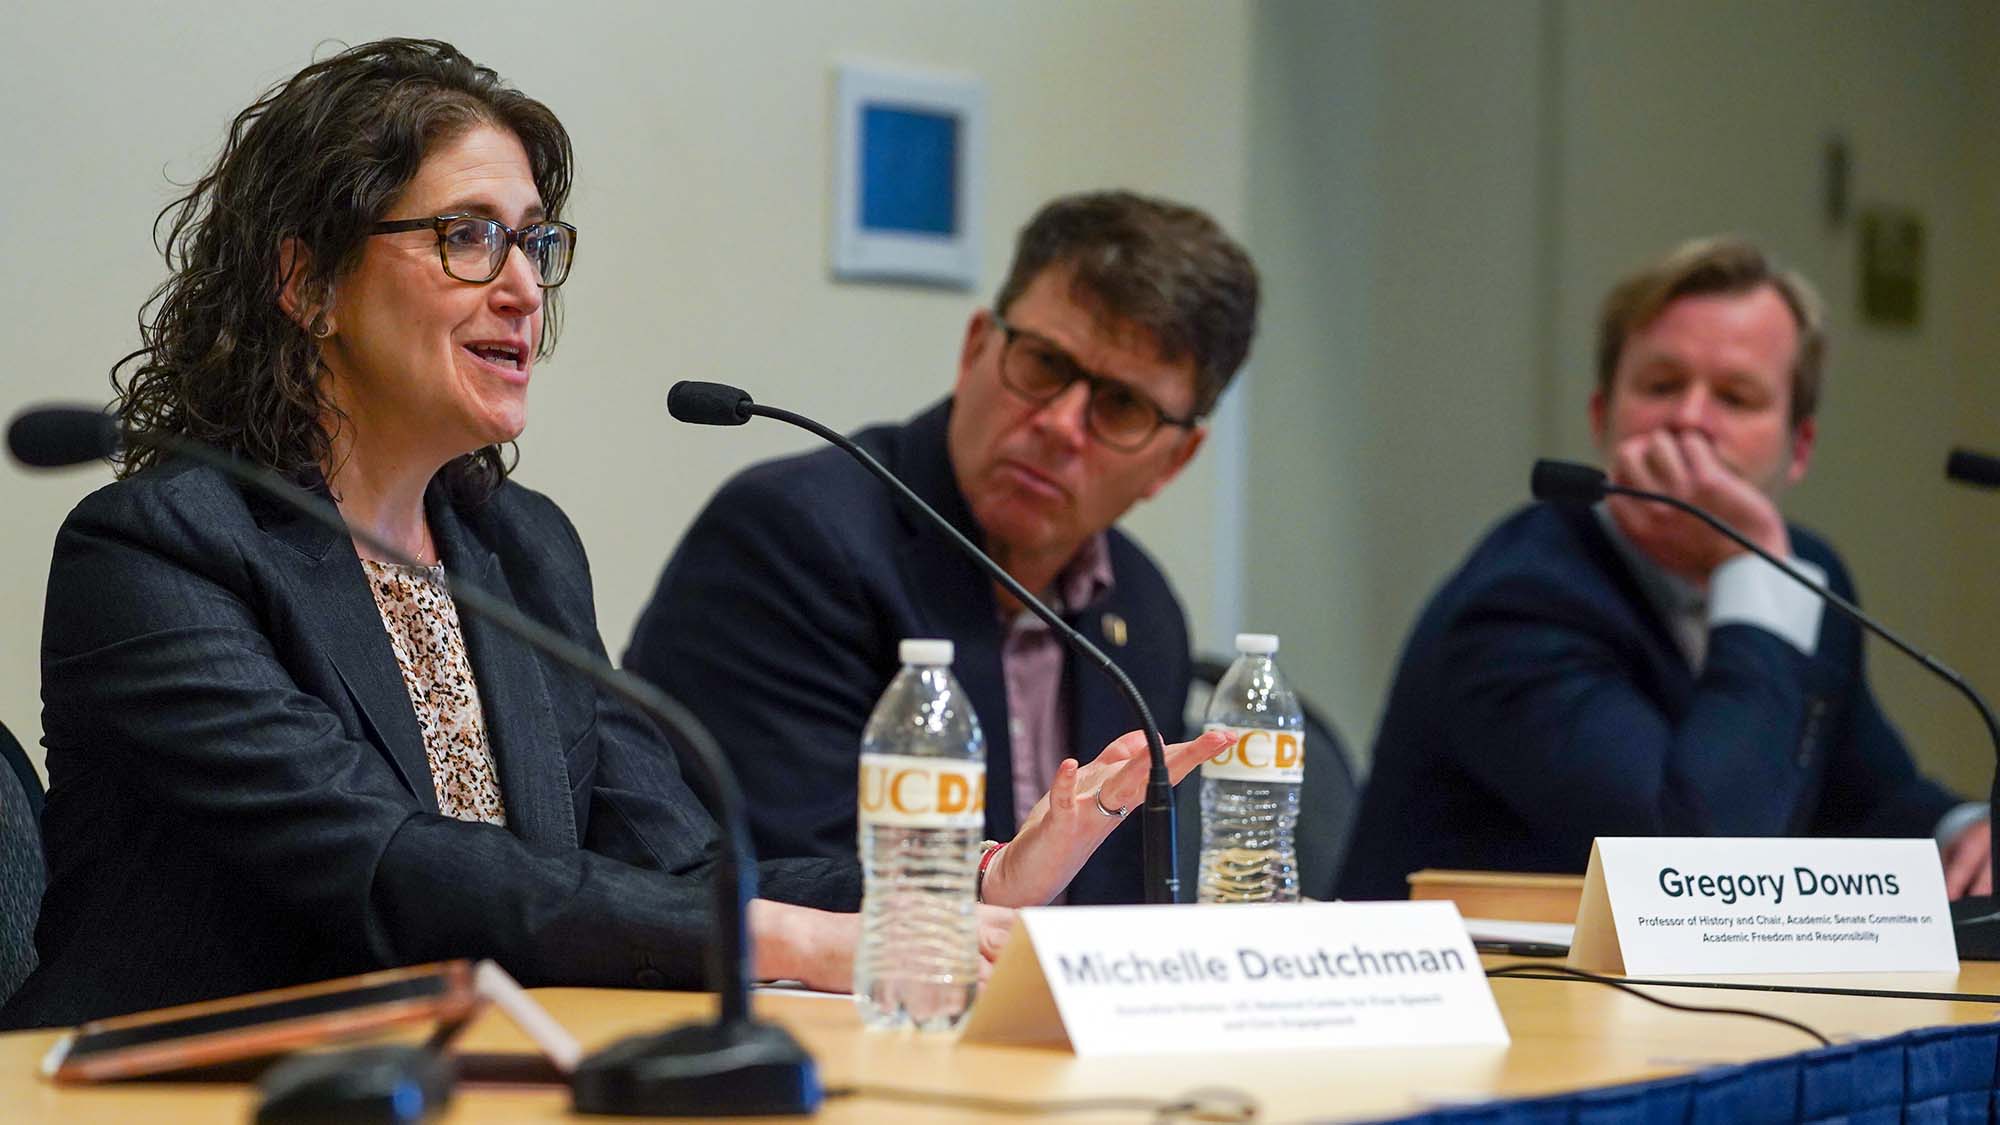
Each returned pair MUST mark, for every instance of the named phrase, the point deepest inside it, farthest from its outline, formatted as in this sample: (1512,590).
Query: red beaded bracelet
(985,861)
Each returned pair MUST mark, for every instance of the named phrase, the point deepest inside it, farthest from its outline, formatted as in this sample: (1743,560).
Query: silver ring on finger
(1119,813)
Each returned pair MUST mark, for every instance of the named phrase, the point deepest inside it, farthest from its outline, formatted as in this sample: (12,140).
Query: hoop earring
(318,328)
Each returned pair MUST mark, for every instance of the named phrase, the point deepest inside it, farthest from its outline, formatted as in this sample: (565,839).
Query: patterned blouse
(430,649)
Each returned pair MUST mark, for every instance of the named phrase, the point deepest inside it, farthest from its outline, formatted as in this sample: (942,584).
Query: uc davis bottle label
(1268,756)
(902,791)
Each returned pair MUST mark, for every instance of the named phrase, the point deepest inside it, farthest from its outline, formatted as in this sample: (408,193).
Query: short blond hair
(1725,264)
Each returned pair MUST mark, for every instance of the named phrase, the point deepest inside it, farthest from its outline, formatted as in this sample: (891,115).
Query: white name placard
(1655,905)
(1130,980)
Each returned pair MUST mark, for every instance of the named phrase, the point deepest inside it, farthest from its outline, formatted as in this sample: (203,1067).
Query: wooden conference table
(1567,1036)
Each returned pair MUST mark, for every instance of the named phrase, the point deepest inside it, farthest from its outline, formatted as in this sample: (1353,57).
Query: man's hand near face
(1684,465)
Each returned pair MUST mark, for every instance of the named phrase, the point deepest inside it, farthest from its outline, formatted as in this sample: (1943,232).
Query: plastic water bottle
(922,814)
(1250,792)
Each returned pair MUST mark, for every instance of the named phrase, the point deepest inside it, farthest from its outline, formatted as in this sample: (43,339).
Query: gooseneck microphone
(709,404)
(717,404)
(1976,920)
(735,1065)
(54,437)
(1981,470)
(1567,482)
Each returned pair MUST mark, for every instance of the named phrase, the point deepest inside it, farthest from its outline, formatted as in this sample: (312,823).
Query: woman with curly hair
(275,758)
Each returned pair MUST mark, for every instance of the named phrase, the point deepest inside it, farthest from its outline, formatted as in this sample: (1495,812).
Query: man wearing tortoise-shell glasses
(1079,393)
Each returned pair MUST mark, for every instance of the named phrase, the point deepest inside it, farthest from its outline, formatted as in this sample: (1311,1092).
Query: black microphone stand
(734,1066)
(1161,863)
(1975,918)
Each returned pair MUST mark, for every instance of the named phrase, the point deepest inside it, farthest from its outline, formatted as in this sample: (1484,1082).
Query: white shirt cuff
(1746,590)
(1958,820)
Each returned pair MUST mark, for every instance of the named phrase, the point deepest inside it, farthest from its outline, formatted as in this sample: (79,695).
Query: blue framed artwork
(908,164)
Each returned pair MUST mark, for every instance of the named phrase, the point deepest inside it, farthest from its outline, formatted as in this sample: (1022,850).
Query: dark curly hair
(318,158)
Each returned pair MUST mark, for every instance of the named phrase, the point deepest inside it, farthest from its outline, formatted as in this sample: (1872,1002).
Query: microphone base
(741,1069)
(1975,923)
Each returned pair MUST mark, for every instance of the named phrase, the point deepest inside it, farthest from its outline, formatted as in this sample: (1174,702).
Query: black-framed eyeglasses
(1119,415)
(474,248)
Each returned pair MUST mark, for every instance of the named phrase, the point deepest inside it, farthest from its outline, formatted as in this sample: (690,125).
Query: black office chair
(1326,805)
(22,872)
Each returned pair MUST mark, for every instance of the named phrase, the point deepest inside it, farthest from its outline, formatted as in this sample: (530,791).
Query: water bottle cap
(924,651)
(1257,644)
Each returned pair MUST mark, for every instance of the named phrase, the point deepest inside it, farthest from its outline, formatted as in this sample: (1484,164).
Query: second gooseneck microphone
(1977,921)
(1566,482)
(717,404)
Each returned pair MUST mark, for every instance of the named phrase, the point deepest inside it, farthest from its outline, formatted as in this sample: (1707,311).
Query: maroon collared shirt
(1031,662)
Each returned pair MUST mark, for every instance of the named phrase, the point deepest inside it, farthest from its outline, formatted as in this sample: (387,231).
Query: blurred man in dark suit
(1626,671)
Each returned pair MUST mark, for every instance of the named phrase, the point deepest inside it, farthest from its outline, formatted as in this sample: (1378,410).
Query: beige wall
(1974,517)
(702,133)
(1394,209)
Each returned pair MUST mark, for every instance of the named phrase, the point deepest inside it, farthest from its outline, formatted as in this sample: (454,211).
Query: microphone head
(709,404)
(1979,469)
(51,437)
(1566,482)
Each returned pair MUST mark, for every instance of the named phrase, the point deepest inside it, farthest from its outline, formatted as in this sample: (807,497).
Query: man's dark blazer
(239,794)
(1542,702)
(778,617)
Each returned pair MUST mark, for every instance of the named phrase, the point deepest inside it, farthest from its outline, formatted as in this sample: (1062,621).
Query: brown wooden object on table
(262,1025)
(1511,895)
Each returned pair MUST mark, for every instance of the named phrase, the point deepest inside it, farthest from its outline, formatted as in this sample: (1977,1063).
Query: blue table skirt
(1944,1074)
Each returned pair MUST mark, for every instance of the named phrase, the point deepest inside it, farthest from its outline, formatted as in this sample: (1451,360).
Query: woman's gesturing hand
(1078,812)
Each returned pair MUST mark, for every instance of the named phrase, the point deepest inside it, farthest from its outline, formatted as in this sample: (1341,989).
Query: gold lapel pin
(1114,629)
